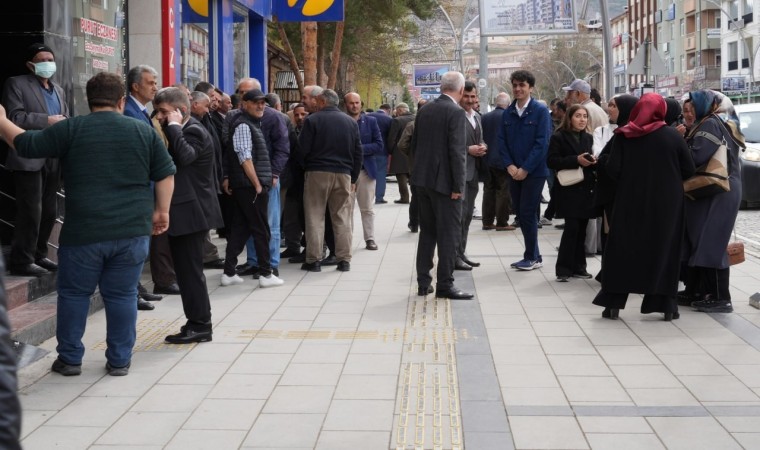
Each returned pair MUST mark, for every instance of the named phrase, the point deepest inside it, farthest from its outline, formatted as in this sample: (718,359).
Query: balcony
(702,40)
(690,42)
(689,6)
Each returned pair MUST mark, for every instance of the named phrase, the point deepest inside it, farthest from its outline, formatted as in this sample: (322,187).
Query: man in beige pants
(331,155)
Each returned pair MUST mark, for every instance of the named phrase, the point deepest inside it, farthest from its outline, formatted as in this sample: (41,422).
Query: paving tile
(144,428)
(215,352)
(273,346)
(494,321)
(489,440)
(296,313)
(733,354)
(692,432)
(69,437)
(244,386)
(663,397)
(261,363)
(567,346)
(313,301)
(48,396)
(593,389)
(531,433)
(718,388)
(590,365)
(512,337)
(360,415)
(195,373)
(299,400)
(557,329)
(367,387)
(318,353)
(285,430)
(522,396)
(613,337)
(224,414)
(738,424)
(32,419)
(93,411)
(627,355)
(619,425)
(645,376)
(483,416)
(622,441)
(518,355)
(172,398)
(337,320)
(378,347)
(526,376)
(748,440)
(548,314)
(206,439)
(352,440)
(747,374)
(694,365)
(311,375)
(672,345)
(371,364)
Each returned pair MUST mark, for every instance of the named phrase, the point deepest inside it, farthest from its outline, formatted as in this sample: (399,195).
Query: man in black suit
(438,146)
(194,209)
(476,150)
(34,102)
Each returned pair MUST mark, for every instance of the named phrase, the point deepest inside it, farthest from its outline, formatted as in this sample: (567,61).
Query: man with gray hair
(331,154)
(439,146)
(496,200)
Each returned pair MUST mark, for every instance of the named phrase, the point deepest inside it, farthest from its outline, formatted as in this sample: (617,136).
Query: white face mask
(45,69)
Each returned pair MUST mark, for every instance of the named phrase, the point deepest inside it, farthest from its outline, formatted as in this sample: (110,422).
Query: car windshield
(750,123)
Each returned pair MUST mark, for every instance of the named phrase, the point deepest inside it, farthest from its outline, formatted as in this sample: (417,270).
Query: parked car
(749,116)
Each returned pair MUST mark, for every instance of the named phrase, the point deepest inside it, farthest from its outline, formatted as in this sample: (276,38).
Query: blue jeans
(273,214)
(114,267)
(526,199)
(381,161)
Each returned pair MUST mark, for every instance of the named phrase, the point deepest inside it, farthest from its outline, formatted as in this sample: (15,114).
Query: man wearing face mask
(34,102)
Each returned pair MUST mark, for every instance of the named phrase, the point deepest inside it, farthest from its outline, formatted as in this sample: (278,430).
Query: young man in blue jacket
(523,143)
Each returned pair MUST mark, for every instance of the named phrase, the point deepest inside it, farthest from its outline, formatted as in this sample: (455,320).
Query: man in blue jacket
(523,142)
(372,146)
(384,119)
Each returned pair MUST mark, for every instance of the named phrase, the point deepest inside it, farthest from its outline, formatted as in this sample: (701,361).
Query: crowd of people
(151,183)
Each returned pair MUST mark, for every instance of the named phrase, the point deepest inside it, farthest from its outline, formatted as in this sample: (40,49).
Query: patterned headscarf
(707,102)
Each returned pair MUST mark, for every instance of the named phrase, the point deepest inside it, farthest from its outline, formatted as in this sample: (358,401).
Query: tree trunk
(335,57)
(309,45)
(291,56)
(321,74)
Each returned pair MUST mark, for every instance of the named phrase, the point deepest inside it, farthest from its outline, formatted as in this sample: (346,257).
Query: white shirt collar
(142,107)
(520,111)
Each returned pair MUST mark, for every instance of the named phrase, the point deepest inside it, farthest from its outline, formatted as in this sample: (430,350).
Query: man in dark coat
(496,200)
(34,102)
(194,209)
(438,145)
(399,162)
(384,119)
(10,408)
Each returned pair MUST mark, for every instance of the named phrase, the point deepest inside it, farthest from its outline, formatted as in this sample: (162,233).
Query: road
(748,230)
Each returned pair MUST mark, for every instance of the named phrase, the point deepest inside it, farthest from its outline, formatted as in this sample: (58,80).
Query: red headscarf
(647,116)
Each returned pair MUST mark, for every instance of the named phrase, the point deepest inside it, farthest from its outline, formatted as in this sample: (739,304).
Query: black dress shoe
(142,305)
(289,253)
(216,264)
(470,262)
(311,267)
(425,290)
(585,275)
(371,245)
(188,336)
(344,266)
(331,260)
(400,202)
(610,313)
(453,294)
(247,270)
(150,297)
(47,264)
(172,289)
(670,316)
(381,202)
(28,270)
(298,259)
(461,265)
(414,228)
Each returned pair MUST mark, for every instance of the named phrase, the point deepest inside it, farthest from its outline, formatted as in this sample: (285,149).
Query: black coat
(399,161)
(10,408)
(642,254)
(194,206)
(576,201)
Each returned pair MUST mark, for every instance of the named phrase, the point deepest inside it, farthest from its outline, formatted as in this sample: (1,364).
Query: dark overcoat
(576,201)
(643,248)
(399,161)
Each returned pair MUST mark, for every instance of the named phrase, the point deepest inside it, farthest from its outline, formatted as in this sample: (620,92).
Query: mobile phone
(588,157)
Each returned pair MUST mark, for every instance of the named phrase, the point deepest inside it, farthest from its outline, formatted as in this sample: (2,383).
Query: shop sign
(733,84)
(308,10)
(170,38)
(197,48)
(666,82)
(699,73)
(618,69)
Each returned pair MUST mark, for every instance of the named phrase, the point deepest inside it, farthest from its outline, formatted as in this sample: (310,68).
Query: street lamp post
(568,68)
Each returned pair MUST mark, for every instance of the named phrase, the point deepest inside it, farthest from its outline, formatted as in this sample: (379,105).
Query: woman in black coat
(570,148)
(648,162)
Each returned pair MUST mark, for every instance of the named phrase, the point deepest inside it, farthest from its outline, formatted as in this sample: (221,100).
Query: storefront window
(195,54)
(98,43)
(240,44)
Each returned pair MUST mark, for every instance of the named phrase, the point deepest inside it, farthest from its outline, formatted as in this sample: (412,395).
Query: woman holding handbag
(710,219)
(648,162)
(570,150)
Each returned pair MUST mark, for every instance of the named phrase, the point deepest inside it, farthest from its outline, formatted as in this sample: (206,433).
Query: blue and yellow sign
(308,10)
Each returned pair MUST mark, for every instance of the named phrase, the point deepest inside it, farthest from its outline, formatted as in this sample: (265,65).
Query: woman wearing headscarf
(619,109)
(648,162)
(709,220)
(570,147)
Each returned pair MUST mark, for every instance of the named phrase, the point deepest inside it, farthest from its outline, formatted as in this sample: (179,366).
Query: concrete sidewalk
(358,361)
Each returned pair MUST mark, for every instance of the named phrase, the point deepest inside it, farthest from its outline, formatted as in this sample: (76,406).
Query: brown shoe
(505,228)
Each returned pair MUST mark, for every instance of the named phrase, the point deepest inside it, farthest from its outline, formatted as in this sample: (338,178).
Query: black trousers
(161,263)
(650,304)
(572,256)
(496,199)
(187,252)
(227,205)
(468,208)
(440,226)
(36,200)
(708,281)
(293,220)
(249,219)
(403,186)
(414,207)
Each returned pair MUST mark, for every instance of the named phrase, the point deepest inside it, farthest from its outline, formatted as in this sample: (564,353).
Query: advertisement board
(429,75)
(523,17)
(733,84)
(308,10)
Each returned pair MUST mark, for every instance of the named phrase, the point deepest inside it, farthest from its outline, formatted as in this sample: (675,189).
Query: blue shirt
(52,101)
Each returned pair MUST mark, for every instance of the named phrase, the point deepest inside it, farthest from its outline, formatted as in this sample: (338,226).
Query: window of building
(683,27)
(747,11)
(683,63)
(733,55)
(672,30)
(733,9)
(717,58)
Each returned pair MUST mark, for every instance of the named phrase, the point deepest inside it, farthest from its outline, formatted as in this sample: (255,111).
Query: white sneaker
(229,281)
(545,221)
(270,281)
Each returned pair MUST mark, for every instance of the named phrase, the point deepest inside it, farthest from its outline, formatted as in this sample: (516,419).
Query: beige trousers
(365,196)
(331,190)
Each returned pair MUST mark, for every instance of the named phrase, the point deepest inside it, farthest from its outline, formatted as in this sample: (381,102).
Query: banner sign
(308,10)
(526,17)
(429,75)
